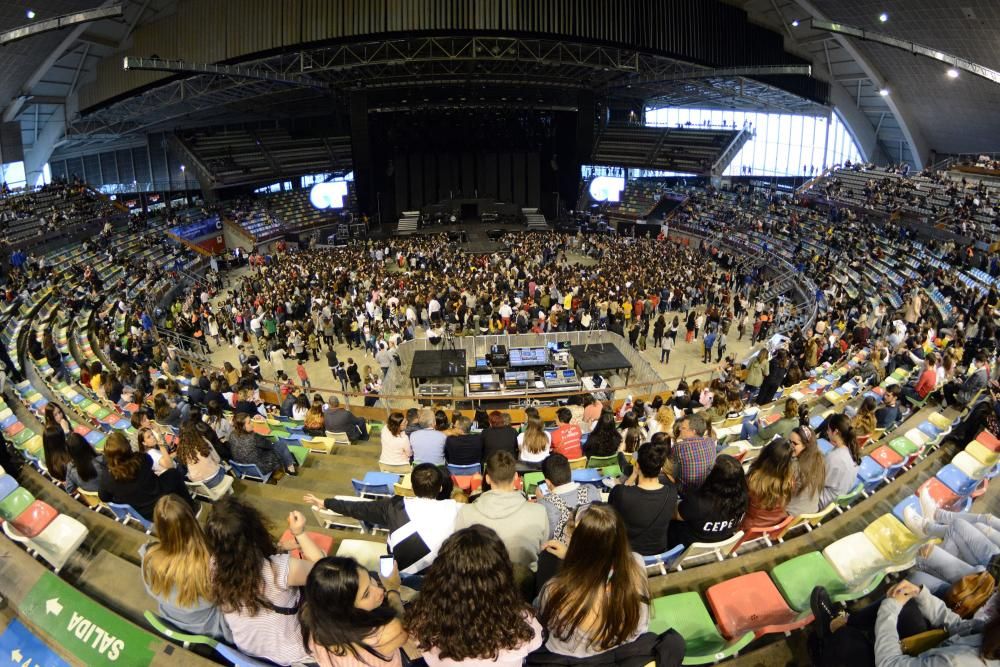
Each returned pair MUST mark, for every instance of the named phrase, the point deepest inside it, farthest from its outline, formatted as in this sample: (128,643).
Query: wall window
(780,144)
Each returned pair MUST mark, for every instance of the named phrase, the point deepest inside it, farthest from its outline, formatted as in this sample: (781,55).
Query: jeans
(284,455)
(215,479)
(749,429)
(970,542)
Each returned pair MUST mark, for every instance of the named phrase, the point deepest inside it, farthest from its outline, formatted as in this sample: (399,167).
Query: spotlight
(30,14)
(883,17)
(952,73)
(795,23)
(884,92)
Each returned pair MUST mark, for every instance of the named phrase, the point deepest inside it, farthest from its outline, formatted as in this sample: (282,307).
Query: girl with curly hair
(469,609)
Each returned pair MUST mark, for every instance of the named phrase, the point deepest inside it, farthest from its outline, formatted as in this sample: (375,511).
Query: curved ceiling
(926,112)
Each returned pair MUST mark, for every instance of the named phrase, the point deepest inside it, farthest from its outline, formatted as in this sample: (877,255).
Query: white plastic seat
(365,552)
(699,550)
(57,543)
(857,560)
(214,493)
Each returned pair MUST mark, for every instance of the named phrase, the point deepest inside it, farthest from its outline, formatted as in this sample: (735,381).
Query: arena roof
(924,111)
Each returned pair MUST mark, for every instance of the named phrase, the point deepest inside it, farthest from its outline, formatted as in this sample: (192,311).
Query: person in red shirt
(926,382)
(566,437)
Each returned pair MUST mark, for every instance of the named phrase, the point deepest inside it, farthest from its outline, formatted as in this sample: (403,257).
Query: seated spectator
(314,424)
(790,418)
(427,443)
(599,599)
(646,503)
(871,635)
(84,468)
(962,393)
(300,408)
(255,586)
(339,419)
(129,479)
(250,447)
(592,409)
(633,434)
(693,453)
(432,518)
(55,417)
(497,627)
(522,526)
(54,453)
(176,571)
(887,416)
(662,421)
(395,443)
(147,440)
(842,461)
(810,472)
(217,421)
(464,448)
(412,415)
(200,458)
(864,421)
(533,444)
(564,495)
(926,382)
(771,483)
(566,438)
(713,512)
(348,618)
(605,439)
(499,436)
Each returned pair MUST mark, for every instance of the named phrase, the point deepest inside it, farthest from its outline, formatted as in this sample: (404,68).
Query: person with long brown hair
(256,586)
(599,599)
(128,478)
(176,571)
(56,418)
(469,609)
(771,483)
(250,447)
(864,421)
(841,461)
(54,453)
(202,461)
(810,472)
(534,443)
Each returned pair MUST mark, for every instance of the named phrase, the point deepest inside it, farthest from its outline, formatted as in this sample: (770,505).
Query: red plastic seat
(468,483)
(769,534)
(944,497)
(324,542)
(14,429)
(886,456)
(35,518)
(752,603)
(989,440)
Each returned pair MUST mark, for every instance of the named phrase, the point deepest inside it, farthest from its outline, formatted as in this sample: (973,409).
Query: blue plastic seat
(956,480)
(871,474)
(663,561)
(7,485)
(383,478)
(460,471)
(368,490)
(249,471)
(930,429)
(126,513)
(825,446)
(587,476)
(909,501)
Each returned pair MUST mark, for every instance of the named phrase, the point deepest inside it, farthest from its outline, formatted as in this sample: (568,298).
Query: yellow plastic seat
(982,453)
(893,540)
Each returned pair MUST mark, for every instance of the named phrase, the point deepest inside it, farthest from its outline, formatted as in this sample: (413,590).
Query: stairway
(408,222)
(536,221)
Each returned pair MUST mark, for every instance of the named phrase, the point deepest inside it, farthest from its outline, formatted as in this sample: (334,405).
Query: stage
(594,358)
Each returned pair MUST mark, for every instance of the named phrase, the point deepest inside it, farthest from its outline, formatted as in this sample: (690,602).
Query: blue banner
(19,646)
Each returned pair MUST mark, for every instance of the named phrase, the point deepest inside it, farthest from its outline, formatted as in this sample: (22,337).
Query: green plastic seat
(797,577)
(686,613)
(904,446)
(279,433)
(531,481)
(611,471)
(15,503)
(23,437)
(844,500)
(602,461)
(177,635)
(300,453)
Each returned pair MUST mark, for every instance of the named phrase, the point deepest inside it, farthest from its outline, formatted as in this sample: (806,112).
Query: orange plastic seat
(35,518)
(886,456)
(988,440)
(752,603)
(943,497)
(324,542)
(468,483)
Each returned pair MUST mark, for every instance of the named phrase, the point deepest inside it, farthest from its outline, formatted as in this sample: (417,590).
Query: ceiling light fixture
(795,23)
(884,92)
(30,14)
(883,17)
(952,73)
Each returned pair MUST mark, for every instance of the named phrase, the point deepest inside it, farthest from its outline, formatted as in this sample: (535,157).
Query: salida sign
(89,631)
